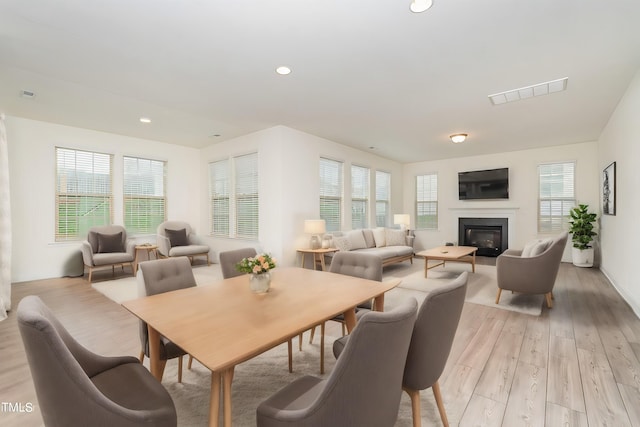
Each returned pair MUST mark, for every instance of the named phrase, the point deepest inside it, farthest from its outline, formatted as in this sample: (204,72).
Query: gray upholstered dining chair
(532,270)
(107,246)
(156,277)
(76,387)
(176,238)
(431,342)
(364,387)
(229,259)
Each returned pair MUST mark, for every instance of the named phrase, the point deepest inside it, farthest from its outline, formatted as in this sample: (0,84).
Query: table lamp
(315,227)
(403,220)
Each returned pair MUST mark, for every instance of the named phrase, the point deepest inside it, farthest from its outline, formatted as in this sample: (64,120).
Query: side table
(318,255)
(146,247)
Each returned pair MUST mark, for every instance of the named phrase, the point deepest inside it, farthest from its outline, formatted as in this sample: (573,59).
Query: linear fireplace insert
(489,235)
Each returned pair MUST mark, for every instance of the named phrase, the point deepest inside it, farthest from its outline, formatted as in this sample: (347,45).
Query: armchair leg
(90,274)
(438,396)
(549,298)
(415,406)
(498,296)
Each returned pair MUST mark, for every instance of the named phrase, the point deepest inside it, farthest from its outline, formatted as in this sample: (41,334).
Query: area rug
(481,289)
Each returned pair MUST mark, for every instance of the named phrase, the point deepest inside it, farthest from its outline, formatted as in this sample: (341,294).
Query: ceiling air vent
(27,94)
(539,89)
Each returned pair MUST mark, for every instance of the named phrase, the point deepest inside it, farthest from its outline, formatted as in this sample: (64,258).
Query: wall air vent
(539,89)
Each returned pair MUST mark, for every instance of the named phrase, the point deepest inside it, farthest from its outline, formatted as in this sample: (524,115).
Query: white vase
(582,257)
(260,283)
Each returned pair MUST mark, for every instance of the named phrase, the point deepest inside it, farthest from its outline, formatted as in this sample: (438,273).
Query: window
(427,202)
(556,197)
(331,193)
(383,196)
(144,195)
(83,192)
(359,197)
(233,194)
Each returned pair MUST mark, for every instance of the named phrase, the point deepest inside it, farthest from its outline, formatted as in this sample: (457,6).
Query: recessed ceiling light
(458,138)
(283,70)
(539,89)
(145,120)
(418,6)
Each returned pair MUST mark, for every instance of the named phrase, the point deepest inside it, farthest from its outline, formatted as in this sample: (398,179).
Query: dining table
(223,323)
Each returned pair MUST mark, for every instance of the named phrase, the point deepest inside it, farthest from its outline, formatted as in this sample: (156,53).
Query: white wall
(289,184)
(620,142)
(32,144)
(523,187)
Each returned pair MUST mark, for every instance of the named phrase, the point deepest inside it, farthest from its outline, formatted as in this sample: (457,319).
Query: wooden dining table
(224,323)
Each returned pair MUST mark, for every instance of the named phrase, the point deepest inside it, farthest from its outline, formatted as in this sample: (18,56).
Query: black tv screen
(486,184)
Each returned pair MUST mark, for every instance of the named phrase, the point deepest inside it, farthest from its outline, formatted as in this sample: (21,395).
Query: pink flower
(265,265)
(256,269)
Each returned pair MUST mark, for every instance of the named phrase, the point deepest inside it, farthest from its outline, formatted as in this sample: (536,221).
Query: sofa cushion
(109,243)
(341,243)
(356,239)
(379,237)
(188,250)
(368,238)
(395,237)
(177,237)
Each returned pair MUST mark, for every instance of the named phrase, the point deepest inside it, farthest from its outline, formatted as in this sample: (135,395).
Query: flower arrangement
(256,265)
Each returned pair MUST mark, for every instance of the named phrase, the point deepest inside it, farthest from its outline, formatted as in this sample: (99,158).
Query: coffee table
(449,253)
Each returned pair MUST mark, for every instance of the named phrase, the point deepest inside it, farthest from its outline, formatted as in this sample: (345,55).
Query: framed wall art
(609,190)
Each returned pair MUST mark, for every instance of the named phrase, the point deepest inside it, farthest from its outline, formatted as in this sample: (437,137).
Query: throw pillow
(109,243)
(356,239)
(542,246)
(342,243)
(368,238)
(526,251)
(395,237)
(379,237)
(177,237)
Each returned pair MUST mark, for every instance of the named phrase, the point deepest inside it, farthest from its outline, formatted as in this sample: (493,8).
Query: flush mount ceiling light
(418,6)
(539,89)
(458,138)
(283,70)
(145,120)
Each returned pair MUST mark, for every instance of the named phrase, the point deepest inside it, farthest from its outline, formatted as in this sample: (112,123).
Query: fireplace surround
(489,235)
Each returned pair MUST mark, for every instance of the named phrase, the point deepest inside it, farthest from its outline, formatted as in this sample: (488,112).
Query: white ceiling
(365,73)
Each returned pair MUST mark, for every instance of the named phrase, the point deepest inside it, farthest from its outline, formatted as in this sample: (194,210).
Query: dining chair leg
(141,356)
(180,369)
(300,341)
(438,396)
(190,362)
(498,296)
(549,299)
(321,347)
(313,331)
(290,346)
(415,406)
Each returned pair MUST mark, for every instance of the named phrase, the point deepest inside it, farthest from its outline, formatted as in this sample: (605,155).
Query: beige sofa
(392,245)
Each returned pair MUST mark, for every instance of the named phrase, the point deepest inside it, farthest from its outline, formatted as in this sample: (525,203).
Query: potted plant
(581,228)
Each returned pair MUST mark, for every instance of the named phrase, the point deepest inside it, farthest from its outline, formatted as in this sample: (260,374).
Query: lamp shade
(315,226)
(402,219)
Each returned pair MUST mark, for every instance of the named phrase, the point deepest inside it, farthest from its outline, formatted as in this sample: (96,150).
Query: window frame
(383,201)
(426,203)
(361,197)
(151,227)
(559,222)
(331,194)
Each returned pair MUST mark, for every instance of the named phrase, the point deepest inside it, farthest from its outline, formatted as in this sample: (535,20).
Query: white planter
(582,257)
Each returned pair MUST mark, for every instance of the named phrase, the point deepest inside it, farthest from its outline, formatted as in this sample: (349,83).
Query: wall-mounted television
(484,184)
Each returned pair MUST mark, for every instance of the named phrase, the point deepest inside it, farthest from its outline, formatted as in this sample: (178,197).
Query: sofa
(392,245)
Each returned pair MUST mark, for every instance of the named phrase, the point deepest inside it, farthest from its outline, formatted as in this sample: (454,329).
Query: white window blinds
(359,197)
(427,202)
(556,196)
(331,193)
(383,198)
(144,195)
(246,193)
(83,192)
(234,199)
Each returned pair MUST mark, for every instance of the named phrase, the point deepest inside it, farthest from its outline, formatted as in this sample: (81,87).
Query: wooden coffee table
(449,253)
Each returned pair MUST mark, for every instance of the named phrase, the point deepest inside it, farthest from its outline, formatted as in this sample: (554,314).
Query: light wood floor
(576,365)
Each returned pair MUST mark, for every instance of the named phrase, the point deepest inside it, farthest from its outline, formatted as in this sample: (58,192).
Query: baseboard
(623,294)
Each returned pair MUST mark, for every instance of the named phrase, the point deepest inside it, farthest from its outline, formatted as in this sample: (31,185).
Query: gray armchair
(364,387)
(156,277)
(76,387)
(107,246)
(431,342)
(532,270)
(176,238)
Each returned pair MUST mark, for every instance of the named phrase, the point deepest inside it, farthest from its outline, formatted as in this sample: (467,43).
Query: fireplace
(489,235)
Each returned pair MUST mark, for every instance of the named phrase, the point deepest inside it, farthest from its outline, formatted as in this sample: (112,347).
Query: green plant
(256,265)
(582,226)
